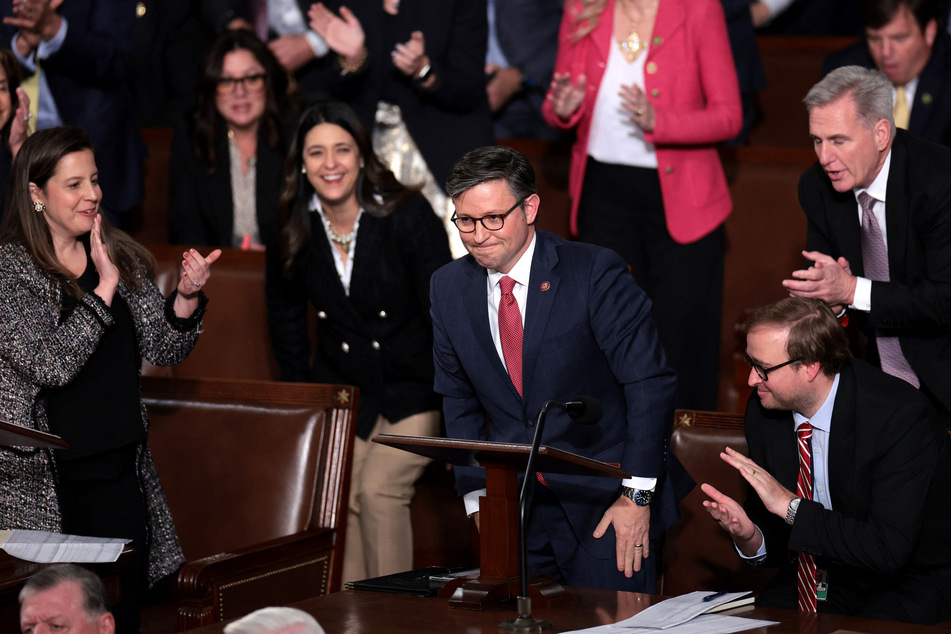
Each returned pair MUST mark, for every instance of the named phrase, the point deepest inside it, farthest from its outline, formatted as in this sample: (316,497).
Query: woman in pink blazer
(650,87)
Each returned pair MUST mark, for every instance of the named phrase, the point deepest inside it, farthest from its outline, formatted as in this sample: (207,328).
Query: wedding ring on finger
(640,112)
(196,283)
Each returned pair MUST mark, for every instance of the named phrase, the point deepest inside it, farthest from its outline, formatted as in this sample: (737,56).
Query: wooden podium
(498,535)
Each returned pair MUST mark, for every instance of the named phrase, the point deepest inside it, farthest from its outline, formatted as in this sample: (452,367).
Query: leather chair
(235,342)
(697,554)
(257,477)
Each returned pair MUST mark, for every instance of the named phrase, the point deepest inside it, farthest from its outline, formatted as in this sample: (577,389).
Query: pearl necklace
(343,240)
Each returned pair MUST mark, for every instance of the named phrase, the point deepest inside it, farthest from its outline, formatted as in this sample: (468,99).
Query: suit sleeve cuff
(45,49)
(760,555)
(471,500)
(862,300)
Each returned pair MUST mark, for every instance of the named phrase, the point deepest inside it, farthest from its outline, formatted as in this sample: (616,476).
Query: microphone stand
(525,622)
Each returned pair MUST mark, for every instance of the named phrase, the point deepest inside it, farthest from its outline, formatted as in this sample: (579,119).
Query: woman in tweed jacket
(78,310)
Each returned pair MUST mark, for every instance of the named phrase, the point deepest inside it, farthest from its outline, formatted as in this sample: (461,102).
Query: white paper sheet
(42,547)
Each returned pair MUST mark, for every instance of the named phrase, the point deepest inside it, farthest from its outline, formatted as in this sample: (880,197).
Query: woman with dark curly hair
(225,173)
(360,247)
(78,311)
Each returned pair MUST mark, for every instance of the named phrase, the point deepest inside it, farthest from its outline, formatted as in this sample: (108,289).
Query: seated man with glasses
(849,473)
(527,317)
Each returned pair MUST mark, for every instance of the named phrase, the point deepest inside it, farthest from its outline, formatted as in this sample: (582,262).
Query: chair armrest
(276,572)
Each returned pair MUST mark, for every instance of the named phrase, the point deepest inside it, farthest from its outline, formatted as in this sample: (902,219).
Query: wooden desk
(356,612)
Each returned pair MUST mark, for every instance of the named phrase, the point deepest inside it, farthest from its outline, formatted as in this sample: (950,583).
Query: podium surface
(499,511)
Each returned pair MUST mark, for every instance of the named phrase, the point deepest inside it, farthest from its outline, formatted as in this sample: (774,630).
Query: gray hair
(273,620)
(95,599)
(492,163)
(870,89)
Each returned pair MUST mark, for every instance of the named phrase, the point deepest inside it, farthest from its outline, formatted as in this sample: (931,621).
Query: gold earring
(38,207)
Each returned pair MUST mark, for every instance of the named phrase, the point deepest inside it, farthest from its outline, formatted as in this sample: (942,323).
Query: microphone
(584,410)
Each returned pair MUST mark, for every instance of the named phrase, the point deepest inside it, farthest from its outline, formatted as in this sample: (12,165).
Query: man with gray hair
(65,598)
(878,203)
(279,620)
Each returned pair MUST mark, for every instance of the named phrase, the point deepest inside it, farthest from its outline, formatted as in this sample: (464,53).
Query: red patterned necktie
(875,261)
(806,568)
(510,332)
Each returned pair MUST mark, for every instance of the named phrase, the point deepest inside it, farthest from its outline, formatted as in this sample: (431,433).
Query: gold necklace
(632,47)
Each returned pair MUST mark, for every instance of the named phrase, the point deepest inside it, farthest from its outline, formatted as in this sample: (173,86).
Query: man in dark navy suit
(582,327)
(904,40)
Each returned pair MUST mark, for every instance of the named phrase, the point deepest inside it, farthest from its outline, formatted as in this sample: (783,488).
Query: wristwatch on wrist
(641,497)
(791,510)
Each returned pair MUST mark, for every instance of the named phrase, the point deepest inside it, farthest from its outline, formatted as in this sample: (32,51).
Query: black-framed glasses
(251,83)
(763,373)
(492,222)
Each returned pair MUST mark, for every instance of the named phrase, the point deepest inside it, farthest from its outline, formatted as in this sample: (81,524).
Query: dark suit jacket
(528,36)
(916,304)
(749,64)
(201,207)
(90,79)
(378,338)
(931,111)
(588,331)
(447,119)
(169,45)
(887,539)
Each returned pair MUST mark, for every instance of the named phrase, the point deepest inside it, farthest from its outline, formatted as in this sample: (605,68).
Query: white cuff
(471,500)
(760,554)
(862,300)
(647,484)
(316,42)
(45,49)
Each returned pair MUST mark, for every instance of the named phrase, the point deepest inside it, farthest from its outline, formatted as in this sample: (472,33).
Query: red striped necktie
(806,568)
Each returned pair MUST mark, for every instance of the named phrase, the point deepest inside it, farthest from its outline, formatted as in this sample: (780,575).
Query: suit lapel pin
(926,98)
(545,286)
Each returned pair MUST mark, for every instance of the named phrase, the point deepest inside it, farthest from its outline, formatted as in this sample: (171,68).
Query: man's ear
(107,624)
(883,134)
(531,205)
(812,370)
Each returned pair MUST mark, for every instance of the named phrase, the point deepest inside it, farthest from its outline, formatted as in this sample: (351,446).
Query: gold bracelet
(346,68)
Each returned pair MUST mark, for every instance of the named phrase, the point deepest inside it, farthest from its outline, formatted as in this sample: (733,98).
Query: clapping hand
(565,96)
(343,34)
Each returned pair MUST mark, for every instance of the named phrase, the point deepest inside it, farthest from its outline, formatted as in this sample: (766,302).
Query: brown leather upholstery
(698,554)
(257,478)
(235,342)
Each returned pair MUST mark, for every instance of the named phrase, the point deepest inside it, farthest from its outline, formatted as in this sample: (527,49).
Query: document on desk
(703,624)
(43,547)
(687,614)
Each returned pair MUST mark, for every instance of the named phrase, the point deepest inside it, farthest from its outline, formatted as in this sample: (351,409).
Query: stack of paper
(687,614)
(43,547)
